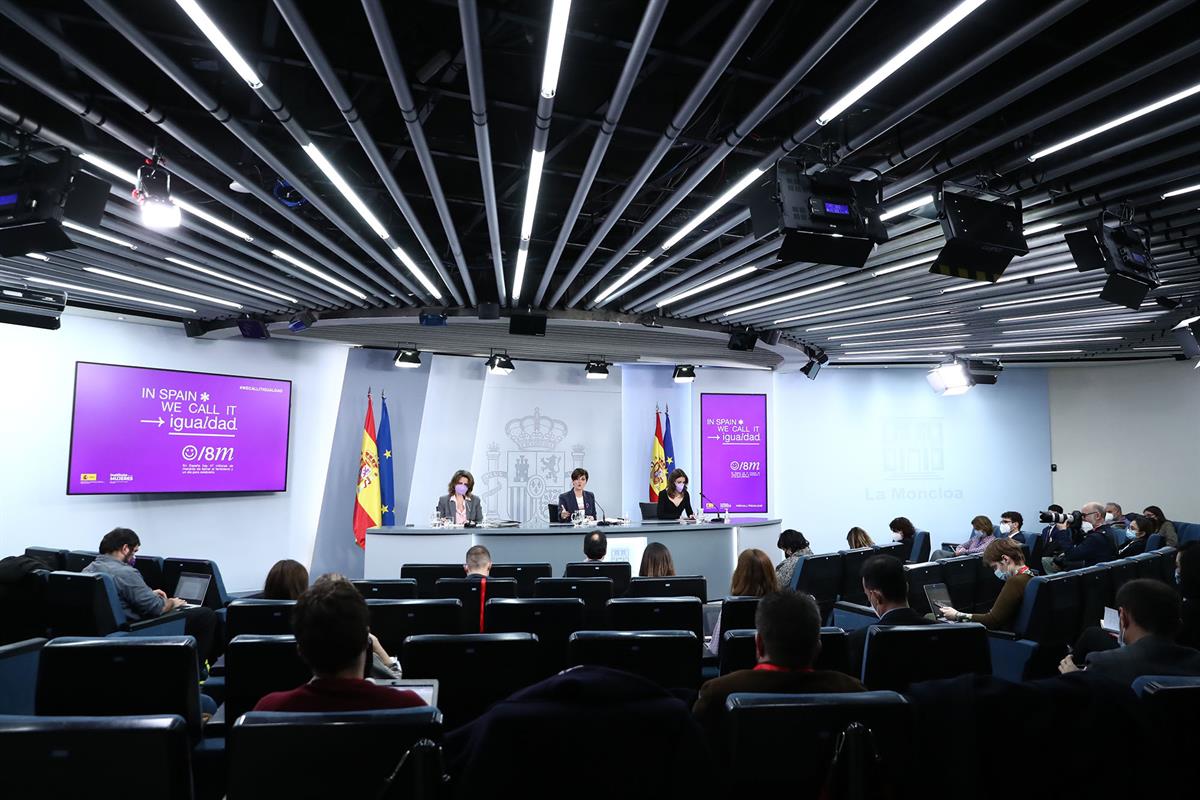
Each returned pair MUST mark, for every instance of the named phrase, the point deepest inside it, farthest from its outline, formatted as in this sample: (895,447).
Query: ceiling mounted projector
(34,308)
(958,375)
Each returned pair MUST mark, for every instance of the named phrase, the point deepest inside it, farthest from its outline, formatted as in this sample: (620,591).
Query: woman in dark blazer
(577,499)
(460,506)
(675,502)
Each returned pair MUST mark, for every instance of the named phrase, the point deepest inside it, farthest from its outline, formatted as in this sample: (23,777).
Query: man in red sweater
(330,622)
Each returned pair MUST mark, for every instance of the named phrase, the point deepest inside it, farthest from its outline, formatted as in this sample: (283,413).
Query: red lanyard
(765,667)
(482,600)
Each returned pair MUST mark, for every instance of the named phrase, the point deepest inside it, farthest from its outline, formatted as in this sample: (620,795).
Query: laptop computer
(425,688)
(192,588)
(938,596)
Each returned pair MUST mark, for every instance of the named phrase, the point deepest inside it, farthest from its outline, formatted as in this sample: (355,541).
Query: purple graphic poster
(157,430)
(733,452)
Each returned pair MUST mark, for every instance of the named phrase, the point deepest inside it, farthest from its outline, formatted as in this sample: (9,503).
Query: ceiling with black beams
(371,160)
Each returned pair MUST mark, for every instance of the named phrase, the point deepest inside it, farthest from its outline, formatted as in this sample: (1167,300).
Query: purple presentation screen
(733,452)
(162,430)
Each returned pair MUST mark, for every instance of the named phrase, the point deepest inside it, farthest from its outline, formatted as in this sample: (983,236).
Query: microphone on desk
(720,513)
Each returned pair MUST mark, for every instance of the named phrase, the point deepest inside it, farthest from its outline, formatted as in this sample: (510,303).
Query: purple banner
(159,430)
(733,452)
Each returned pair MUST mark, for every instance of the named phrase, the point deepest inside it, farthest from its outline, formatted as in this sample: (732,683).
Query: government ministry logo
(519,484)
(913,448)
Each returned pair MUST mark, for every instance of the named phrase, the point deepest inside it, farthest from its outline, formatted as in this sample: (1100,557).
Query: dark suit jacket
(1150,655)
(567,500)
(857,640)
(1095,548)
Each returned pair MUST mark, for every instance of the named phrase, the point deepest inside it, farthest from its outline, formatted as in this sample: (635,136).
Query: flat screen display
(733,452)
(141,430)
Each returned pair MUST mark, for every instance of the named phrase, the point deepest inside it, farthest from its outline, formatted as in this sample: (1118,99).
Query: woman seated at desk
(577,499)
(675,502)
(459,505)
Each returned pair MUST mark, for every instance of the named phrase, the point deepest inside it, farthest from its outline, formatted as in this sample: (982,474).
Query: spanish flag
(366,502)
(658,461)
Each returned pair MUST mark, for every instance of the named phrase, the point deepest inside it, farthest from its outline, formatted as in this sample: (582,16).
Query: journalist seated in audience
(786,641)
(478,562)
(1187,578)
(118,553)
(1007,560)
(1148,618)
(752,577)
(794,547)
(595,546)
(330,623)
(656,562)
(286,580)
(902,530)
(857,539)
(1166,528)
(886,588)
(1096,546)
(1139,529)
(982,534)
(1010,526)
(1113,515)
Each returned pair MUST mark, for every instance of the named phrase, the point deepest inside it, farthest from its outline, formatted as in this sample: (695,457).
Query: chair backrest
(919,576)
(656,614)
(551,619)
(803,731)
(78,559)
(216,597)
(1067,603)
(649,510)
(852,562)
(738,612)
(961,574)
(258,616)
(397,589)
(1188,531)
(261,742)
(392,621)
(1167,564)
(74,756)
(920,548)
(898,655)
(987,586)
(1121,571)
(738,651)
(594,592)
(26,613)
(820,576)
(83,604)
(88,677)
(427,575)
(257,665)
(18,675)
(153,569)
(1153,542)
(1096,593)
(53,558)
(835,651)
(674,586)
(669,658)
(523,574)
(1172,705)
(471,593)
(473,670)
(1147,565)
(619,572)
(900,550)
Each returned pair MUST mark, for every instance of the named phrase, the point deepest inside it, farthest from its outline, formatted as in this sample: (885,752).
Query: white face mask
(1005,528)
(1108,517)
(897,537)
(1087,527)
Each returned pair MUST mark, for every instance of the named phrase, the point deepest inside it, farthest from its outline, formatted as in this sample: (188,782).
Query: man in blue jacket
(1095,547)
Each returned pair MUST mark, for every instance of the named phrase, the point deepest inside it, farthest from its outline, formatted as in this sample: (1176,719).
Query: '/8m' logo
(207,453)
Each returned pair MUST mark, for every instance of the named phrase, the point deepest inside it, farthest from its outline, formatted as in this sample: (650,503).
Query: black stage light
(302,321)
(35,198)
(811,369)
(432,320)
(597,370)
(489,311)
(770,337)
(1122,250)
(983,233)
(253,329)
(684,373)
(33,308)
(500,364)
(407,358)
(742,340)
(1168,303)
(1187,333)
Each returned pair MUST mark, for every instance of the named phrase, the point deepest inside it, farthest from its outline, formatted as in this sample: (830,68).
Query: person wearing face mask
(577,499)
(1096,546)
(1166,528)
(902,530)
(982,534)
(676,502)
(1007,560)
(886,589)
(1138,531)
(1010,526)
(459,505)
(1148,614)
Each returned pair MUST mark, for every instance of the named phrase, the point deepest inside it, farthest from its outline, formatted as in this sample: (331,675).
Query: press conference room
(599,399)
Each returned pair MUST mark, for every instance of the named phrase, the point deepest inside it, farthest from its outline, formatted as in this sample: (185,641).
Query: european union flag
(387,487)
(668,448)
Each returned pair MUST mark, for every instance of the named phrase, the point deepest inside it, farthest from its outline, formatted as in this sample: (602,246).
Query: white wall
(245,534)
(1127,433)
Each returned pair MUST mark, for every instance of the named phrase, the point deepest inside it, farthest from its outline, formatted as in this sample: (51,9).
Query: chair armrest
(1007,636)
(168,624)
(852,616)
(253,595)
(216,725)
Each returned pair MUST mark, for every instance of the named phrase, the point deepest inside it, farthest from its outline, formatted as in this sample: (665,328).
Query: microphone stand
(720,514)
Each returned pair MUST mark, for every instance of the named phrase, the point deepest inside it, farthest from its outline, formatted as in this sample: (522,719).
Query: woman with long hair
(656,562)
(675,502)
(286,580)
(754,576)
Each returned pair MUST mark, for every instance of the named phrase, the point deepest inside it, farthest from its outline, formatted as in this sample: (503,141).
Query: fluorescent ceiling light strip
(1166,347)
(843,309)
(230,279)
(1121,120)
(1050,298)
(624,279)
(311,270)
(907,341)
(904,265)
(1040,342)
(704,287)
(75,226)
(1040,227)
(38,256)
(1098,326)
(339,183)
(76,288)
(906,207)
(1183,323)
(110,168)
(211,220)
(519,277)
(1184,190)
(1073,313)
(713,207)
(536,161)
(555,40)
(162,287)
(224,47)
(1030,353)
(824,287)
(875,321)
(928,37)
(407,260)
(922,357)
(899,330)
(932,348)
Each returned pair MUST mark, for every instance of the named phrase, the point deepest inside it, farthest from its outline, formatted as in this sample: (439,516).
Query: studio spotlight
(816,360)
(153,194)
(1120,249)
(597,370)
(958,375)
(408,357)
(742,340)
(983,233)
(302,321)
(499,364)
(684,373)
(1187,333)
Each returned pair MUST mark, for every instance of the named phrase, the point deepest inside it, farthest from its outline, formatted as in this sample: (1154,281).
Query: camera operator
(1094,546)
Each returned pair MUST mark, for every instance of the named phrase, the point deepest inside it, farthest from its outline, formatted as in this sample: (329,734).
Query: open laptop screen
(938,595)
(192,587)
